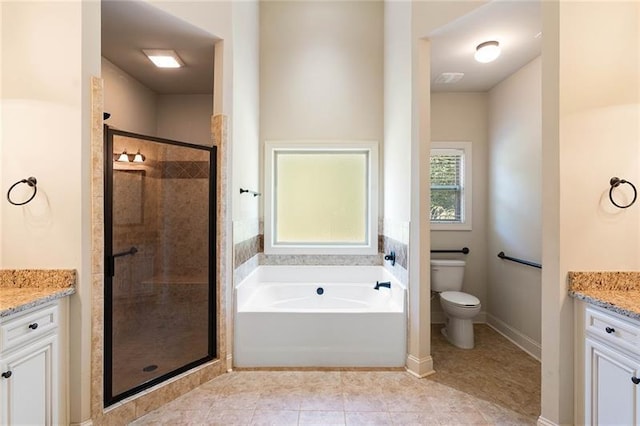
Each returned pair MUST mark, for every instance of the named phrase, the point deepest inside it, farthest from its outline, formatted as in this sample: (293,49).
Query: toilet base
(459,332)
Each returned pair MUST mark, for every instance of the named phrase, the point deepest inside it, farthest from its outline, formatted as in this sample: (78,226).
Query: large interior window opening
(321,198)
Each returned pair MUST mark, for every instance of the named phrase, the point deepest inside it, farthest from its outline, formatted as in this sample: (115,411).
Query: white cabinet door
(26,393)
(612,397)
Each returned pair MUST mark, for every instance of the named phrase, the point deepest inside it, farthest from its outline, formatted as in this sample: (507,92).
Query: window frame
(371,244)
(467,184)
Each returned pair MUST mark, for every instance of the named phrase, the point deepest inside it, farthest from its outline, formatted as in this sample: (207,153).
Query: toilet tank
(447,275)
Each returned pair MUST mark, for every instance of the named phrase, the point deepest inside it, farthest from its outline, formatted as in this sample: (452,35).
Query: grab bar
(131,251)
(501,255)
(110,267)
(464,250)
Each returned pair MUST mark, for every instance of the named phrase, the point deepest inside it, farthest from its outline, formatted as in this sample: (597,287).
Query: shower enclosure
(159,260)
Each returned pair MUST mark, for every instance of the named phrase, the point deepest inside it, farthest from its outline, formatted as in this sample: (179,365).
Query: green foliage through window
(447,185)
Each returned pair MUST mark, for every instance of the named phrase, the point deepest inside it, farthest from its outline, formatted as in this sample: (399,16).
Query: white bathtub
(282,321)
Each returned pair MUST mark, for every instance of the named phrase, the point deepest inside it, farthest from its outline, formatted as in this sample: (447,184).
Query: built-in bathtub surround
(320,316)
(248,243)
(389,245)
(616,291)
(22,289)
(242,271)
(136,406)
(245,250)
(394,236)
(321,259)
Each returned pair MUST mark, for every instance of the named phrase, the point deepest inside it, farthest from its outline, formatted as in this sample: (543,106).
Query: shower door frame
(108,397)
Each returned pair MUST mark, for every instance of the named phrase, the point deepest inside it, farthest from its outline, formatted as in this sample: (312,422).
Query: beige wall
(136,108)
(515,205)
(246,112)
(45,133)
(321,70)
(185,118)
(464,117)
(396,154)
(216,18)
(590,133)
(131,104)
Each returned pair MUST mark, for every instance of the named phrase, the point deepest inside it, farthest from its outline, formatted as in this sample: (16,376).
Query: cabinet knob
(635,380)
(33,326)
(8,374)
(610,330)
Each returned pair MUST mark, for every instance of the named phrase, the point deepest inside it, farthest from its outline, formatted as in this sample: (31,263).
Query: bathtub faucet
(379,284)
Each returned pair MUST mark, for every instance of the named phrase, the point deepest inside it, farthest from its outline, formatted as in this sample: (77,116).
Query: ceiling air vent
(449,77)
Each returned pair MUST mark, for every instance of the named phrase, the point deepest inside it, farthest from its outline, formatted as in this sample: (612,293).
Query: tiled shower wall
(184,216)
(168,226)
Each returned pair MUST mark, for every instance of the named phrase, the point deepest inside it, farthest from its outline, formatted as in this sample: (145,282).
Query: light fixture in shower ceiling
(164,58)
(487,51)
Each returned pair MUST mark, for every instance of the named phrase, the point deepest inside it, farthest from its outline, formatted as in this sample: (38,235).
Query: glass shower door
(159,254)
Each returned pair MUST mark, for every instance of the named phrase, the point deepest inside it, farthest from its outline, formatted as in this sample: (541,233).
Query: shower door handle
(111,260)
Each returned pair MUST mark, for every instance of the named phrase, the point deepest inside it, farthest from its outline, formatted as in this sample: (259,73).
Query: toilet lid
(459,298)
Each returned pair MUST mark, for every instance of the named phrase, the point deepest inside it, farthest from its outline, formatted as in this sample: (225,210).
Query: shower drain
(149,368)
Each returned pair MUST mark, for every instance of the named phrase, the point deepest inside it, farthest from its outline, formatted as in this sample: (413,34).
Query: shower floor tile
(494,384)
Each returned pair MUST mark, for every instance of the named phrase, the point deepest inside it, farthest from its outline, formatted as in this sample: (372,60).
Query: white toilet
(459,307)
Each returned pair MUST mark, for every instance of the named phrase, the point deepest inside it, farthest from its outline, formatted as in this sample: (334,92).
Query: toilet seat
(458,298)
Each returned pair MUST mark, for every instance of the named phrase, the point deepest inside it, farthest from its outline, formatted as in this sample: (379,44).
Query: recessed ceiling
(130,26)
(514,24)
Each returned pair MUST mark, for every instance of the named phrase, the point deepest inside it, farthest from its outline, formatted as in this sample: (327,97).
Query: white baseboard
(438,317)
(544,422)
(524,342)
(420,367)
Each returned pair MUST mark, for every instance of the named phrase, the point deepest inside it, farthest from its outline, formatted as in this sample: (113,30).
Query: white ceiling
(513,23)
(130,26)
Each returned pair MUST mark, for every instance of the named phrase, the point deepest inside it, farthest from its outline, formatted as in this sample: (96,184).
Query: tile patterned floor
(367,398)
(495,370)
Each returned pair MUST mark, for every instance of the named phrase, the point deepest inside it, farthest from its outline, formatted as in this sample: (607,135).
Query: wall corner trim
(85,423)
(229,363)
(545,422)
(420,367)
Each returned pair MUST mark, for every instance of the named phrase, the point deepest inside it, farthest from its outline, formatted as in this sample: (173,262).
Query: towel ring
(31,181)
(615,182)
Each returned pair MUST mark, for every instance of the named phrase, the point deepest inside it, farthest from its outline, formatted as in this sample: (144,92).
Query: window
(321,198)
(450,167)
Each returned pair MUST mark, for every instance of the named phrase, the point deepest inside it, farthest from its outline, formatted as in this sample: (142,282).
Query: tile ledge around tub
(628,301)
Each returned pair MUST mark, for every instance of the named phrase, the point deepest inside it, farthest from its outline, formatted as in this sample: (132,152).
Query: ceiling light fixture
(164,58)
(487,51)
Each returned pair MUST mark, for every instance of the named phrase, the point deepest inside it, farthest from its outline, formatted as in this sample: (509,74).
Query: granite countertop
(21,289)
(616,291)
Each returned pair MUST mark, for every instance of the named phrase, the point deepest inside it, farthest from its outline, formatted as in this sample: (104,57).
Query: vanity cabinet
(612,368)
(31,367)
